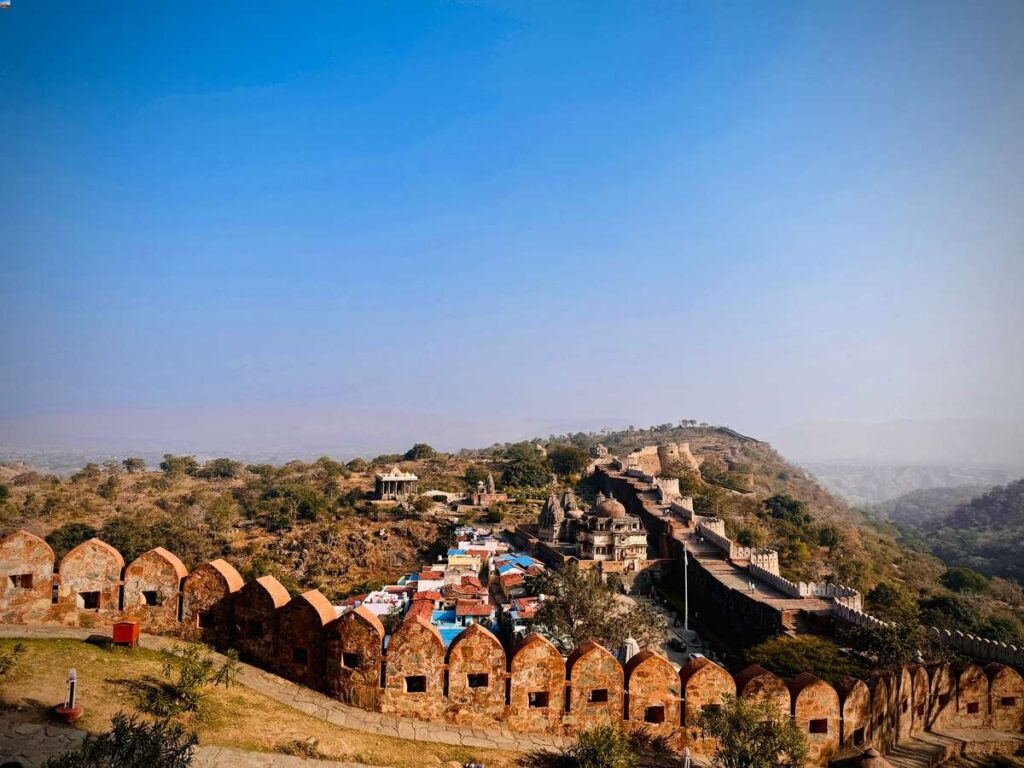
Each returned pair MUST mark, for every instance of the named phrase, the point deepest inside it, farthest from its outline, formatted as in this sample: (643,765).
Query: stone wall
(476,683)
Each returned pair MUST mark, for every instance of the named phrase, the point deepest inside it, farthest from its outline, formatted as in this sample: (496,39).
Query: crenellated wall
(474,682)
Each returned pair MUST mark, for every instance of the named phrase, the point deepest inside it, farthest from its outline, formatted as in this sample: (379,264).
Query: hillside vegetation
(313,525)
(984,533)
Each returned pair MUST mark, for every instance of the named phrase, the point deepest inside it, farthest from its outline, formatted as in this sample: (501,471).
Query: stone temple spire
(569,503)
(490,483)
(551,519)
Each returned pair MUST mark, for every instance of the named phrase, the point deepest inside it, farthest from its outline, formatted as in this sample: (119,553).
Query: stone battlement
(476,681)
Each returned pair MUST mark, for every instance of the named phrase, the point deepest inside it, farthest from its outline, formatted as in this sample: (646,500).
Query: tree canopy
(580,607)
(752,735)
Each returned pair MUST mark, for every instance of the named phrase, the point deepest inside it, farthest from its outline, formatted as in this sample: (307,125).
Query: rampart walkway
(330,710)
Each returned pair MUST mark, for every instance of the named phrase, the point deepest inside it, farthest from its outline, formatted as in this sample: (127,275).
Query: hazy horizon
(229,228)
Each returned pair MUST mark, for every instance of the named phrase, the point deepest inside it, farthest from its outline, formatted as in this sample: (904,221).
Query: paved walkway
(325,708)
(32,743)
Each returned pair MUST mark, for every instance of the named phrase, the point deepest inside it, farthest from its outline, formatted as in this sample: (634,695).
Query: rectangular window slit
(538,699)
(598,696)
(858,737)
(819,725)
(150,597)
(416,684)
(1008,701)
(654,714)
(973,708)
(300,655)
(254,628)
(21,580)
(476,680)
(90,600)
(350,660)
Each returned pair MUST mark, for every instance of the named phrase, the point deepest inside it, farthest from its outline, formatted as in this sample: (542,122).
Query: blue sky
(489,218)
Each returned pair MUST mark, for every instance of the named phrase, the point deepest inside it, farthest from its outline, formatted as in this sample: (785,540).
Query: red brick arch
(476,677)
(537,686)
(816,712)
(355,644)
(596,683)
(1006,698)
(414,671)
(653,686)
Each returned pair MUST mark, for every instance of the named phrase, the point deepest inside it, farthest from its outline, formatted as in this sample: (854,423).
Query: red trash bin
(127,633)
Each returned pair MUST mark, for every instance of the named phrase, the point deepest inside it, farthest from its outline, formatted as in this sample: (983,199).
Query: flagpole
(686,592)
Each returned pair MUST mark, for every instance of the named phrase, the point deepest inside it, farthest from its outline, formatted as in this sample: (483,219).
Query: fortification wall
(476,683)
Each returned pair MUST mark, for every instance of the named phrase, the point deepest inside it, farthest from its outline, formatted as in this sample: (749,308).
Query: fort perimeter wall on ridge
(476,681)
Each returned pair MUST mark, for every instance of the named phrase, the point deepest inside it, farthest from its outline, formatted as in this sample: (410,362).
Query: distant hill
(863,484)
(919,507)
(984,534)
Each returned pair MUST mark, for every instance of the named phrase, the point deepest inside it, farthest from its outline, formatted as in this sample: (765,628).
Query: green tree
(175,466)
(132,743)
(605,746)
(752,735)
(130,536)
(567,460)
(787,657)
(474,474)
(88,473)
(783,507)
(357,465)
(419,451)
(580,607)
(524,467)
(108,490)
(893,603)
(964,580)
(188,670)
(220,469)
(894,643)
(5,493)
(133,464)
(62,540)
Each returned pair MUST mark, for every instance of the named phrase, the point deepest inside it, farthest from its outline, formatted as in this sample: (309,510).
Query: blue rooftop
(442,617)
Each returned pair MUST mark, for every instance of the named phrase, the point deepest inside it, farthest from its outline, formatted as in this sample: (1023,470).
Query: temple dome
(610,508)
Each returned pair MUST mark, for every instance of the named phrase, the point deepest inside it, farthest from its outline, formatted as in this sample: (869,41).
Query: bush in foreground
(131,743)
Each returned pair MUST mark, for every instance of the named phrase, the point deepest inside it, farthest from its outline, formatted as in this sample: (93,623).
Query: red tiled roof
(431,575)
(512,579)
(472,608)
(420,608)
(427,595)
(356,599)
(472,581)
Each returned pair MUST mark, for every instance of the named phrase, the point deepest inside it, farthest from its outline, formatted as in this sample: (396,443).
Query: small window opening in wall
(21,581)
(858,737)
(598,696)
(818,726)
(879,720)
(254,628)
(300,655)
(943,699)
(150,597)
(654,714)
(416,684)
(973,708)
(538,699)
(350,660)
(904,706)
(476,680)
(206,619)
(1008,701)
(920,710)
(90,600)
(54,592)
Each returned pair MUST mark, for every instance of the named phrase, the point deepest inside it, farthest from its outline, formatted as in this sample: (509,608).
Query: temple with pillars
(395,485)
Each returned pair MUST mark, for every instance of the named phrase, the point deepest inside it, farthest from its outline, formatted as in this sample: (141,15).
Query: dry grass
(109,680)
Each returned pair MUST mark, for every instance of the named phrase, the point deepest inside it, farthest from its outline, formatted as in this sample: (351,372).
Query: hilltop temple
(605,532)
